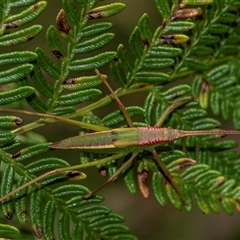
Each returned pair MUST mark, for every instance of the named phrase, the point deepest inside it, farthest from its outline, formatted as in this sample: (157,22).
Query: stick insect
(122,141)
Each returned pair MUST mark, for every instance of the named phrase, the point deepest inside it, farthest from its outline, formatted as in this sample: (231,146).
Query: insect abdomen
(155,135)
(89,141)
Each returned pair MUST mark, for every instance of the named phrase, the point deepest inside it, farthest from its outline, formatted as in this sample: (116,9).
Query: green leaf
(54,42)
(63,110)
(81,83)
(15,95)
(25,16)
(118,72)
(233,38)
(71,11)
(160,51)
(214,203)
(225,110)
(40,82)
(194,171)
(135,42)
(196,64)
(205,177)
(125,58)
(178,27)
(91,63)
(77,232)
(6,187)
(151,77)
(187,196)
(158,188)
(113,229)
(205,123)
(36,103)
(218,28)
(229,50)
(193,114)
(217,72)
(209,39)
(227,206)
(20,203)
(93,211)
(35,213)
(155,63)
(176,91)
(129,179)
(45,164)
(78,97)
(173,197)
(63,225)
(202,203)
(214,103)
(194,2)
(105,11)
(16,57)
(48,220)
(21,36)
(202,51)
(149,105)
(224,145)
(7,122)
(236,117)
(19,3)
(94,43)
(29,152)
(6,229)
(96,28)
(143,24)
(48,65)
(163,8)
(15,74)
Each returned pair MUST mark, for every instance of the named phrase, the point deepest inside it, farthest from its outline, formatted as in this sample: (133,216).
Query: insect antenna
(209,132)
(121,105)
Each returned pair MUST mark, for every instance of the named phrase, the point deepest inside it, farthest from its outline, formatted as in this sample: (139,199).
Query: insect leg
(111,178)
(121,106)
(167,175)
(162,167)
(130,123)
(169,110)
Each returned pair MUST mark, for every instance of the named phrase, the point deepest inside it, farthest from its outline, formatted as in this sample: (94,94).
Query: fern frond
(196,38)
(217,87)
(13,92)
(145,46)
(207,186)
(90,220)
(76,45)
(88,216)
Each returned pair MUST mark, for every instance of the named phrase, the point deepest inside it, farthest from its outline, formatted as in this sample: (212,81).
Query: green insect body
(129,139)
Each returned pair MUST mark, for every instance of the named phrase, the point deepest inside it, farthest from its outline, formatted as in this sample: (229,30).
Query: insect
(122,141)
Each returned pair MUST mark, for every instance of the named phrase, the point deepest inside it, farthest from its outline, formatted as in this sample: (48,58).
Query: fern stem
(52,118)
(108,99)
(80,112)
(61,170)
